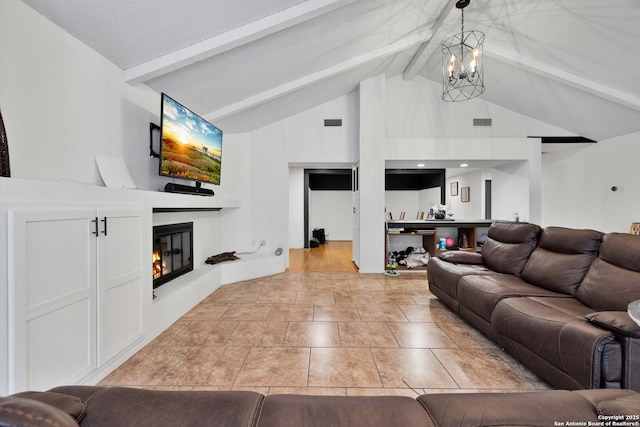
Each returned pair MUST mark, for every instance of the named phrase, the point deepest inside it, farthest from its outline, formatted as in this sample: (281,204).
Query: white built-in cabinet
(75,291)
(75,305)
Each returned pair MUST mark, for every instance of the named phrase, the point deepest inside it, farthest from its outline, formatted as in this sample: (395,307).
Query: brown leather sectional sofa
(87,406)
(555,298)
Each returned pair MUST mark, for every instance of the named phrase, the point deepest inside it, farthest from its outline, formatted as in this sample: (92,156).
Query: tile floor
(324,333)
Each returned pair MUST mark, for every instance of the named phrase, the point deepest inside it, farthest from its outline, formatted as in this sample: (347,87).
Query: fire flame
(159,268)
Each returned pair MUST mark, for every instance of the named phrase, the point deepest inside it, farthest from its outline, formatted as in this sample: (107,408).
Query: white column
(372,170)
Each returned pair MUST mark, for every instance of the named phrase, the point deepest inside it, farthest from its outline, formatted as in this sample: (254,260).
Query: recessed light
(420,165)
(464,165)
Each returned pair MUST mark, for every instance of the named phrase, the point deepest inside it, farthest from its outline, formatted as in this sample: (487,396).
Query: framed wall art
(464,194)
(454,188)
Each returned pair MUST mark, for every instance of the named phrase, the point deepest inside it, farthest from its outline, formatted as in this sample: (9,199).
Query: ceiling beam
(427,48)
(405,43)
(605,92)
(231,39)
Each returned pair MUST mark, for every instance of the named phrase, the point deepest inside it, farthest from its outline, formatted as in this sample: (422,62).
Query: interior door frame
(307,186)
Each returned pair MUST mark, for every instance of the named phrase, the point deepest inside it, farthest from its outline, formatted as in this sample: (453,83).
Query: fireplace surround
(172,251)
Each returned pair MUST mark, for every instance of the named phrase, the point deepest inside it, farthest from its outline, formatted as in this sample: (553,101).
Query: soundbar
(187,189)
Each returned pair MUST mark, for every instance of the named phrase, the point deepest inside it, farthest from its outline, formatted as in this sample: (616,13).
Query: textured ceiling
(246,63)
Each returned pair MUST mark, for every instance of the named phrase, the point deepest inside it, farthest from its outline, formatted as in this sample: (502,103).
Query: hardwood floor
(332,256)
(324,331)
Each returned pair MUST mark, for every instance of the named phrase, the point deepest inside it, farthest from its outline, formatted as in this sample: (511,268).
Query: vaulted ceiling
(246,63)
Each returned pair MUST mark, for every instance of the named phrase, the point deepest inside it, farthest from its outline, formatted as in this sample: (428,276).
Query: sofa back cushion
(562,258)
(508,246)
(613,281)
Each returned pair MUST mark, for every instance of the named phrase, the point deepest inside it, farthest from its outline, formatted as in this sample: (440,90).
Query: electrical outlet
(263,243)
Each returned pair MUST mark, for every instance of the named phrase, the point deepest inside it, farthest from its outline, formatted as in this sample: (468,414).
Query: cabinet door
(120,280)
(52,297)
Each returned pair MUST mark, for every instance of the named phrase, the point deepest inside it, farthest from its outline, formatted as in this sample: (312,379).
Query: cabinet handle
(105,226)
(95,221)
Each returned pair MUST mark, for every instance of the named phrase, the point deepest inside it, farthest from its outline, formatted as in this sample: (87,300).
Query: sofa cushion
(508,409)
(613,280)
(508,246)
(445,275)
(24,412)
(562,258)
(480,294)
(554,329)
(336,411)
(123,407)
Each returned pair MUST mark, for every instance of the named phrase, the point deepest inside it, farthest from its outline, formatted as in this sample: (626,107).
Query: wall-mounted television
(190,147)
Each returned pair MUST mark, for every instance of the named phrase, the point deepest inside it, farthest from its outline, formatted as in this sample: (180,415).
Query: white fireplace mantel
(24,190)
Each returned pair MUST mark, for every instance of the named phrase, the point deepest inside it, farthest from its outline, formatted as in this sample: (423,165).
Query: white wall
(420,126)
(236,234)
(411,201)
(4,305)
(63,104)
(577,185)
(427,198)
(415,110)
(331,210)
(515,150)
(279,154)
(308,141)
(474,208)
(510,182)
(302,141)
(401,201)
(269,187)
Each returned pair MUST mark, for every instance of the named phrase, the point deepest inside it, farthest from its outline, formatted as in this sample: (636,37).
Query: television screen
(191,147)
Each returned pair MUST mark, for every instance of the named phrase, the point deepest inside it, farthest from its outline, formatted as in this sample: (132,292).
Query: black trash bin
(318,233)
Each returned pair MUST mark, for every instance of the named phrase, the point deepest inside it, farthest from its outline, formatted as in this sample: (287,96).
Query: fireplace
(172,251)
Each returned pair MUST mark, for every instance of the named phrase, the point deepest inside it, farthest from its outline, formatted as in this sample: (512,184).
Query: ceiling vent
(482,122)
(333,122)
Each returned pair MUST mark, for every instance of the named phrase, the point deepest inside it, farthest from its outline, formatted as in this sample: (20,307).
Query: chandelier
(462,71)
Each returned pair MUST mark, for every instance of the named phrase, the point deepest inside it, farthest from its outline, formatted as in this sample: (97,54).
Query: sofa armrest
(617,322)
(462,257)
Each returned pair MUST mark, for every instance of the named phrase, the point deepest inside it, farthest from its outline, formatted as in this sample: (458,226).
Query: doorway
(332,190)
(487,199)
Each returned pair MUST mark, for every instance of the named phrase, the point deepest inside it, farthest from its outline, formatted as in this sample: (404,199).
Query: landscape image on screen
(191,146)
